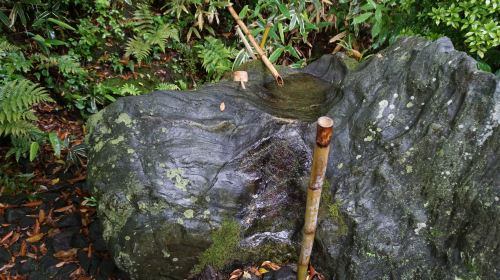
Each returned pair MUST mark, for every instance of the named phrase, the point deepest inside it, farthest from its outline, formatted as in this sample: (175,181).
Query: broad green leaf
(61,24)
(284,10)
(275,55)
(243,12)
(484,66)
(282,34)
(34,150)
(56,143)
(362,18)
(377,27)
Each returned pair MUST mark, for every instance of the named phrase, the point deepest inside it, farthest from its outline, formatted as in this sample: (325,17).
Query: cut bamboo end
(324,132)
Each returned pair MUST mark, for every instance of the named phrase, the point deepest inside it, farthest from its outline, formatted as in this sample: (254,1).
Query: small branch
(245,42)
(260,52)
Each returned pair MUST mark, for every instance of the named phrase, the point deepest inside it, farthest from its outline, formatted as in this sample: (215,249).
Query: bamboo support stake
(245,42)
(254,43)
(320,160)
(266,33)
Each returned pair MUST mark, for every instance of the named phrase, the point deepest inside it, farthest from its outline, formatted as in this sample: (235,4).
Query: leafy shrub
(476,20)
(216,57)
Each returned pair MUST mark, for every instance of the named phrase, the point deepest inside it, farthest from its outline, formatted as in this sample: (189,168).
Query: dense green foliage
(85,53)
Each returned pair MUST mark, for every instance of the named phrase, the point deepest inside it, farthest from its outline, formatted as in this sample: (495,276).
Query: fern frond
(16,99)
(18,128)
(138,48)
(160,36)
(143,19)
(6,46)
(69,65)
(167,86)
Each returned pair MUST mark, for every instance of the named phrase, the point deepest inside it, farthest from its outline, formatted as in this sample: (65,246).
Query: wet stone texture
(413,183)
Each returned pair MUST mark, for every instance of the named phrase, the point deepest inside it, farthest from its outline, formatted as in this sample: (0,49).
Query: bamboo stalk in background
(320,160)
(245,42)
(266,33)
(254,43)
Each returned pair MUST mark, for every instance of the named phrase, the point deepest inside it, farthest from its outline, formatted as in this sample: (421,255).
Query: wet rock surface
(413,183)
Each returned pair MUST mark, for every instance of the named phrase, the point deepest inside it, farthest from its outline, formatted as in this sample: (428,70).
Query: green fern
(161,35)
(6,47)
(149,35)
(138,47)
(216,57)
(167,86)
(16,99)
(65,63)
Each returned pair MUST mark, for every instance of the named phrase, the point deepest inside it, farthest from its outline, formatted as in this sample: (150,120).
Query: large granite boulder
(413,179)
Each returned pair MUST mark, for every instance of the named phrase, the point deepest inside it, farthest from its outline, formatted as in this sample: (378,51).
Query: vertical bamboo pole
(320,160)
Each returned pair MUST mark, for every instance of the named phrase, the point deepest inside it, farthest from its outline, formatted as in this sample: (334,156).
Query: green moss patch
(225,241)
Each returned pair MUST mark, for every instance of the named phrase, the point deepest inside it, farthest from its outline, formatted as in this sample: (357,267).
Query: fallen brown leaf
(66,254)
(236,274)
(7,236)
(270,265)
(35,203)
(64,209)
(35,238)
(24,249)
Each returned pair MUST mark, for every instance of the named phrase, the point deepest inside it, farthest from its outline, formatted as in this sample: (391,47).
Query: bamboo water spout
(318,169)
(260,52)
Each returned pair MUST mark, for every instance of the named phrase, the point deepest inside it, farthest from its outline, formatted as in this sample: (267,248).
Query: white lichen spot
(381,107)
(392,144)
(433,79)
(496,198)
(165,253)
(193,199)
(189,214)
(390,117)
(422,103)
(409,105)
(409,169)
(420,226)
(207,198)
(124,118)
(449,102)
(358,156)
(206,213)
(175,259)
(407,127)
(447,173)
(113,165)
(395,95)
(392,106)
(379,129)
(130,151)
(180,221)
(340,165)
(127,237)
(368,138)
(412,97)
(461,126)
(255,196)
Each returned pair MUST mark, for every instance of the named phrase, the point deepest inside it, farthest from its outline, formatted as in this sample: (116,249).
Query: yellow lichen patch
(124,118)
(189,213)
(117,140)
